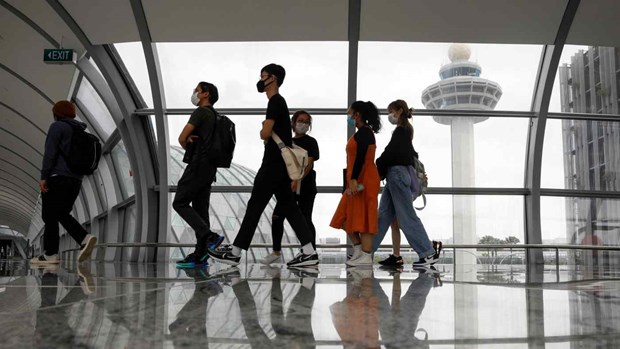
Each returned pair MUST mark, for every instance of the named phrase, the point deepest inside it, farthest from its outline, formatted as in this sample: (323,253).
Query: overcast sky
(317,78)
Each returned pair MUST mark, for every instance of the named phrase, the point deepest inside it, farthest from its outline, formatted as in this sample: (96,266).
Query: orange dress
(358,213)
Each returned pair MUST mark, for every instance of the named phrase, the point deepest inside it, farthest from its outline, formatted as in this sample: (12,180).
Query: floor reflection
(106,305)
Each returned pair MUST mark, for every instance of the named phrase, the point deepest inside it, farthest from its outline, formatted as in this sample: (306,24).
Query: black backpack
(221,146)
(84,151)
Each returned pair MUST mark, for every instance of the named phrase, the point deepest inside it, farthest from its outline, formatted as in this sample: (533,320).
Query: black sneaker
(426,261)
(437,246)
(214,240)
(192,261)
(392,270)
(303,260)
(311,271)
(392,261)
(224,255)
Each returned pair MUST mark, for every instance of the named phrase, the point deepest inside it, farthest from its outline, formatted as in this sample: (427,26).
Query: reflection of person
(272,179)
(399,321)
(194,186)
(357,209)
(60,188)
(396,165)
(302,124)
(189,329)
(52,323)
(356,317)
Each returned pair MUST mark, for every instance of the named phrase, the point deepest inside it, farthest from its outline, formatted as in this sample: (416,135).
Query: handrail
(329,246)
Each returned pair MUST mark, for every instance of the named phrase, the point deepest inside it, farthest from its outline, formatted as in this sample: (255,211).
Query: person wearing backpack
(356,213)
(194,186)
(60,187)
(271,179)
(396,201)
(302,123)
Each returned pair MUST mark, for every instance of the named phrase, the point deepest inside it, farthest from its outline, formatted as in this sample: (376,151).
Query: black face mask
(260,85)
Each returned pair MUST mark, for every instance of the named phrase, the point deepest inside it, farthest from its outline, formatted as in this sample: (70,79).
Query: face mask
(260,85)
(195,99)
(393,119)
(350,120)
(301,128)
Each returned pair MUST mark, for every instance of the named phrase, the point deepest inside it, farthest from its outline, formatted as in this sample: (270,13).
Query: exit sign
(58,56)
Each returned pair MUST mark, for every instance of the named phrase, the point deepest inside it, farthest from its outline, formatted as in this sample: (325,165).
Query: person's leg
(200,204)
(71,189)
(277,227)
(386,216)
(411,225)
(264,184)
(188,187)
(306,206)
(395,237)
(249,316)
(50,211)
(291,211)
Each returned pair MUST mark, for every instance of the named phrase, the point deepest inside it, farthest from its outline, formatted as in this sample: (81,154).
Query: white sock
(236,251)
(307,249)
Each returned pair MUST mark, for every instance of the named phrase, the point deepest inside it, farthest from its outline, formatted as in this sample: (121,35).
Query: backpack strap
(278,141)
(423,201)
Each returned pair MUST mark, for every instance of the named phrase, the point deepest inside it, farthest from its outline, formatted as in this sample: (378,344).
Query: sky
(317,78)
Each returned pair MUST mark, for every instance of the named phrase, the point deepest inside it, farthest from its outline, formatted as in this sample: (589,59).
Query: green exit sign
(58,56)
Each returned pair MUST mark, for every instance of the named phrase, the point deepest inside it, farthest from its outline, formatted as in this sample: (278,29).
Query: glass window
(129,229)
(403,70)
(477,152)
(123,169)
(316,72)
(570,160)
(584,67)
(102,117)
(330,131)
(133,57)
(580,221)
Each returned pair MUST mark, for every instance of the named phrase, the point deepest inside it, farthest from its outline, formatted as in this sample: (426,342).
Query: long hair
(369,114)
(406,114)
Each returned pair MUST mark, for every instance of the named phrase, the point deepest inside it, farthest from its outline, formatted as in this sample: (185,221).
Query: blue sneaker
(214,241)
(191,261)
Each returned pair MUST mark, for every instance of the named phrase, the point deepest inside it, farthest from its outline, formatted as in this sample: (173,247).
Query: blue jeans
(396,202)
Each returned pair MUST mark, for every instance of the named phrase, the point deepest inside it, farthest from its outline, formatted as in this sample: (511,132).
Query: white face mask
(301,128)
(195,99)
(393,119)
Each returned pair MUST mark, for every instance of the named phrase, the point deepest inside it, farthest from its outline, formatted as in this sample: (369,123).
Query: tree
(513,240)
(490,240)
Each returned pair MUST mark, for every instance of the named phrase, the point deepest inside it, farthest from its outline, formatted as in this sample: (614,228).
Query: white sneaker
(364,260)
(44,260)
(357,251)
(271,258)
(87,247)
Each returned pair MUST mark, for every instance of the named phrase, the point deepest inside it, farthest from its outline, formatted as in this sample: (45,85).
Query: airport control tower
(462,88)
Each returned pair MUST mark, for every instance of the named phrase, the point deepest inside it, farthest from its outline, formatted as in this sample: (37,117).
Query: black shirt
(399,152)
(203,120)
(308,184)
(364,138)
(277,110)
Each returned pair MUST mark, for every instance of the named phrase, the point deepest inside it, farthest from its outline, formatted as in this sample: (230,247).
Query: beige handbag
(295,158)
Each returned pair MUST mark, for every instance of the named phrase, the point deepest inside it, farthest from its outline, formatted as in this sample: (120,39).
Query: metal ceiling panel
(247,20)
(596,24)
(471,21)
(107,22)
(22,51)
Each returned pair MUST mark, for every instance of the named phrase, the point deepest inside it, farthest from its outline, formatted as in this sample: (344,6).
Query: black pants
(271,179)
(305,202)
(194,188)
(57,204)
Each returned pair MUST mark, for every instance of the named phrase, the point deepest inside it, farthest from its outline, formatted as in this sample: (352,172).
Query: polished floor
(106,305)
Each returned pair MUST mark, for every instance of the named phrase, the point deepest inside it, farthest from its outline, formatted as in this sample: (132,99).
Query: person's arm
(50,156)
(265,132)
(363,138)
(186,135)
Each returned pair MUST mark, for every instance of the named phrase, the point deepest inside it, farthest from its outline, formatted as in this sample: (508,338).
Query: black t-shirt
(277,110)
(203,120)
(312,147)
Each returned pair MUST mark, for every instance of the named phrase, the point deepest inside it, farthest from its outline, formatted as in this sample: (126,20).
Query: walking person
(194,186)
(272,179)
(394,165)
(302,124)
(357,210)
(60,188)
